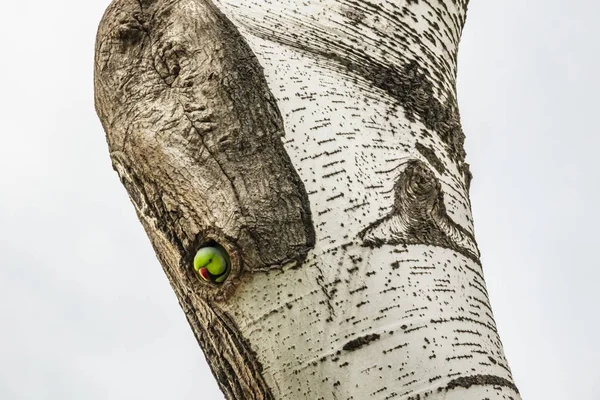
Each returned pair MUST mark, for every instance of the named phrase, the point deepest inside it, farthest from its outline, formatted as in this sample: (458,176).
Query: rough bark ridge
(190,121)
(379,292)
(194,135)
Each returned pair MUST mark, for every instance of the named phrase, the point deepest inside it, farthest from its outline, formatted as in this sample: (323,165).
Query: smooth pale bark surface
(320,143)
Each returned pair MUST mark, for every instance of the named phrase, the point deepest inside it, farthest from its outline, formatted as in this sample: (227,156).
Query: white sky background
(86,312)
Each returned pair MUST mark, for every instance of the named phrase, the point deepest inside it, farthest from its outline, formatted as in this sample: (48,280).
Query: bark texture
(194,135)
(230,121)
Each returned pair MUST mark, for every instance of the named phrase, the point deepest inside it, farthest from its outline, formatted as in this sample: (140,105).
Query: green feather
(216,260)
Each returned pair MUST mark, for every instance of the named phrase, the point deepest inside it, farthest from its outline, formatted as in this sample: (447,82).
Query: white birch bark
(390,302)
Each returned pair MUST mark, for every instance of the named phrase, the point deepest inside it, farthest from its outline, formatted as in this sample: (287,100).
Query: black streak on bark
(360,342)
(480,380)
(429,154)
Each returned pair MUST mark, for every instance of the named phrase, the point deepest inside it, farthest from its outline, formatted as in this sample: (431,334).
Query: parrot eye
(212,263)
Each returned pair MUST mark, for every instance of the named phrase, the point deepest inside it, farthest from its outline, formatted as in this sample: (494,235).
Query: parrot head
(212,264)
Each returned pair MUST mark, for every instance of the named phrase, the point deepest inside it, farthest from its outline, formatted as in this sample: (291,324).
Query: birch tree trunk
(319,142)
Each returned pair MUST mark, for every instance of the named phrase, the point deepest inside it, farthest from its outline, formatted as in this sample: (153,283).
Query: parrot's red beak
(204,274)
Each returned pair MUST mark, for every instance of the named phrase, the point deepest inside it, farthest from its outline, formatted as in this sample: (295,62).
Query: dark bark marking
(468,176)
(400,346)
(419,216)
(355,15)
(480,380)
(463,319)
(430,156)
(362,341)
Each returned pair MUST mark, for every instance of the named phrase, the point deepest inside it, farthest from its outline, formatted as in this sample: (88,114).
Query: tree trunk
(319,143)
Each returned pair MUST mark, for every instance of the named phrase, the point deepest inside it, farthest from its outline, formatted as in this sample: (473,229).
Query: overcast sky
(86,312)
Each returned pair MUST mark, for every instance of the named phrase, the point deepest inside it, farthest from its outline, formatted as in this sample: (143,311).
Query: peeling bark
(230,122)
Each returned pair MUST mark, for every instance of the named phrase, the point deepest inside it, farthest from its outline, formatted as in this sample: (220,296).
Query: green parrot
(212,264)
